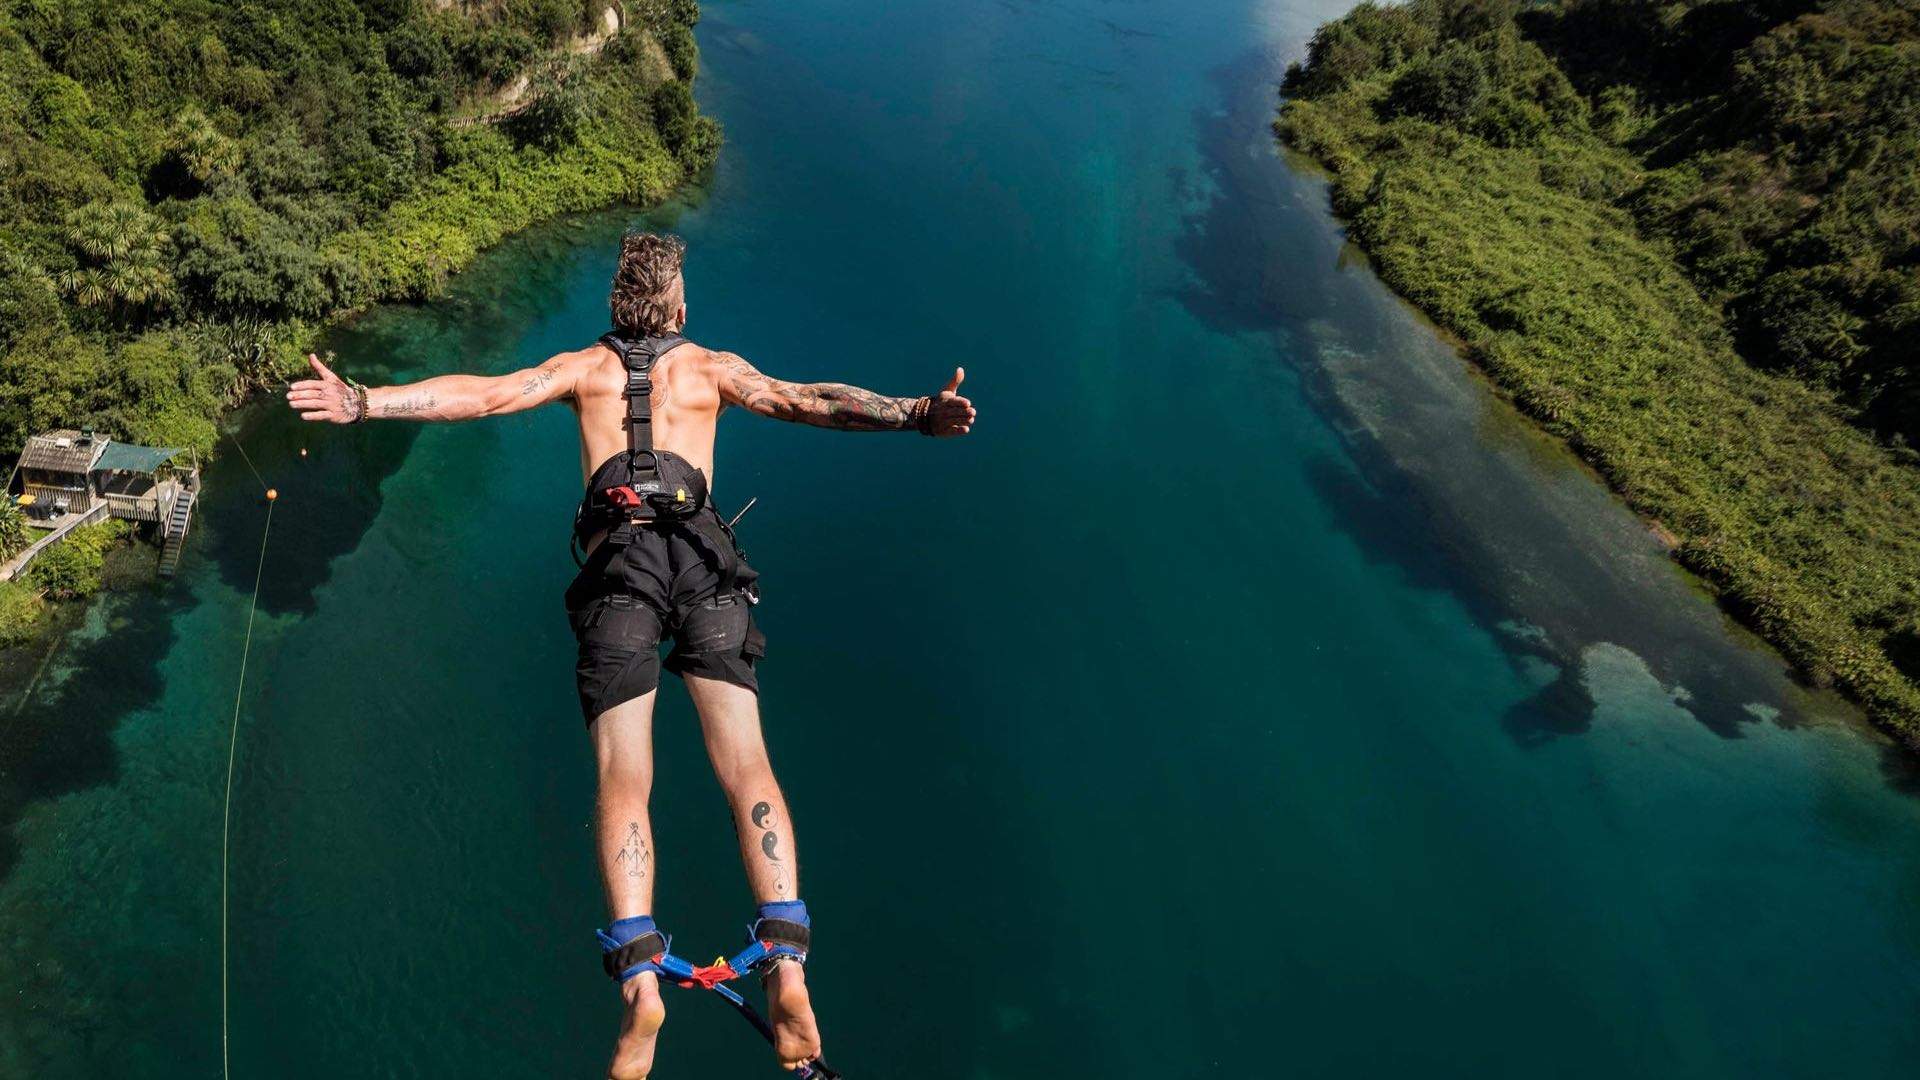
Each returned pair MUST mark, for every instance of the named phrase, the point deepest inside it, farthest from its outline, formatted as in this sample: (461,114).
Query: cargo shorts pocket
(756,644)
(619,658)
(719,625)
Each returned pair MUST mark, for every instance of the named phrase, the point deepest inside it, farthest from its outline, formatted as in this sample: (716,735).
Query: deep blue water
(1252,695)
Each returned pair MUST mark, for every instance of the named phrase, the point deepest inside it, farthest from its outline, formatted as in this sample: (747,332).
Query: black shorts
(670,581)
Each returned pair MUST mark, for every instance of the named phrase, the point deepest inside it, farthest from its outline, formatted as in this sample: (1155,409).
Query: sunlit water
(1251,695)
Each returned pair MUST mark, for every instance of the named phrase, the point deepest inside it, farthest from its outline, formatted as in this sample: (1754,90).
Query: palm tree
(203,150)
(127,246)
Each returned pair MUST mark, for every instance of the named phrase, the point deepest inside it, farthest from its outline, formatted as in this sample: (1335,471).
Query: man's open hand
(326,398)
(948,413)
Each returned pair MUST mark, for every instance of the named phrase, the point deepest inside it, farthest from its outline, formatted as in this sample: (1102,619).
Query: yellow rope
(248,458)
(233,743)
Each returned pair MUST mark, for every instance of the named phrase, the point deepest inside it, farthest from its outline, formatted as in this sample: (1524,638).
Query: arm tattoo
(410,405)
(633,854)
(539,380)
(834,405)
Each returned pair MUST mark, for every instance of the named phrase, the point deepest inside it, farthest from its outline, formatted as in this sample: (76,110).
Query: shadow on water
(1384,514)
(1459,498)
(328,501)
(1901,768)
(61,740)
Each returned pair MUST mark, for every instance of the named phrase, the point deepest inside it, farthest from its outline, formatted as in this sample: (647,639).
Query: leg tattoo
(762,816)
(634,854)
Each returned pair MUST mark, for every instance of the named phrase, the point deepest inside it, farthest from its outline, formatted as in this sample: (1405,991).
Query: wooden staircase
(174,533)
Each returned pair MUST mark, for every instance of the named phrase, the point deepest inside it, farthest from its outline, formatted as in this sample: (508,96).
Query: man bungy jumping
(662,564)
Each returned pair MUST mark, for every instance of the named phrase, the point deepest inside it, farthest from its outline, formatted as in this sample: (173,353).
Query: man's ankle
(790,910)
(625,930)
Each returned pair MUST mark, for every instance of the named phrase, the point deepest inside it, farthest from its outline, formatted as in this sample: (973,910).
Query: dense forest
(190,189)
(1686,237)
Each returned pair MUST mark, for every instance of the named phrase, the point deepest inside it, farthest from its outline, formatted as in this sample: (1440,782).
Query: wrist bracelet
(921,415)
(360,395)
(766,969)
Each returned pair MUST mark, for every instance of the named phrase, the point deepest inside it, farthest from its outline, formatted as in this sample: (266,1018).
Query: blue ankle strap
(783,929)
(631,946)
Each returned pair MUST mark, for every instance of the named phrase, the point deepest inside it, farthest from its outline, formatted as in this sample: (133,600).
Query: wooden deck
(154,504)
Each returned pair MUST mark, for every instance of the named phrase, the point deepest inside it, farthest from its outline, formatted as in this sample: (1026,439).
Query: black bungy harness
(642,486)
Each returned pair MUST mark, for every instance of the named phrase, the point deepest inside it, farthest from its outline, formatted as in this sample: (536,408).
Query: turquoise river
(1252,695)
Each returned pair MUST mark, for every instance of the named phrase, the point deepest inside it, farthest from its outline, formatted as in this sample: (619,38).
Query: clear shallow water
(1396,740)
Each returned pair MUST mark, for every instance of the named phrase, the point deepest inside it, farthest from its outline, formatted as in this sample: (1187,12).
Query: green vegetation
(13,528)
(20,604)
(20,611)
(1617,205)
(70,569)
(190,189)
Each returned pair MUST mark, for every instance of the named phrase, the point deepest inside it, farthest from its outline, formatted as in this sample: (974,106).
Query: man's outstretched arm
(846,408)
(444,397)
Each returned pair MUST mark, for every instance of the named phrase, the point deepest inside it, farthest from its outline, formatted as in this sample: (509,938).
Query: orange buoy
(272,494)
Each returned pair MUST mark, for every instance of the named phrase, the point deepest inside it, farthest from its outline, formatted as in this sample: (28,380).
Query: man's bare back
(686,403)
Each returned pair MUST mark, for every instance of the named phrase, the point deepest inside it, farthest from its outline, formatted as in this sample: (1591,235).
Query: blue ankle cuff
(790,910)
(625,930)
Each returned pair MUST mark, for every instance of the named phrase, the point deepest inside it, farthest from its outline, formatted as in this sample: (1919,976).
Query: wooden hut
(55,470)
(67,479)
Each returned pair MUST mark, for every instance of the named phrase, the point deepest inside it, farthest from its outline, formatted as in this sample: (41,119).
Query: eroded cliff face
(587,43)
(611,19)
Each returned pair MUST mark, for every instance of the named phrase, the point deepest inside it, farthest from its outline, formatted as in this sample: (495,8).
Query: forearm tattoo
(762,816)
(834,405)
(634,857)
(411,405)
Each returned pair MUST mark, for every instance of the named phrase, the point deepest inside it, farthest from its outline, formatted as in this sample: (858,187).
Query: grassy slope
(1809,529)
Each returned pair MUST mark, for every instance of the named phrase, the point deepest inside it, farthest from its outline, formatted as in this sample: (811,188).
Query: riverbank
(1487,192)
(178,236)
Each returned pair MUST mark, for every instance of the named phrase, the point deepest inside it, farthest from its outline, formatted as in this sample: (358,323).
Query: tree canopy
(1686,237)
(189,189)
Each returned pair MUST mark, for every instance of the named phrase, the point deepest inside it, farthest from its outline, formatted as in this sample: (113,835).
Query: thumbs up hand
(948,413)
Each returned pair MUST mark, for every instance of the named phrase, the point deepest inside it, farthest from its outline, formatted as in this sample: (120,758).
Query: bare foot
(639,1029)
(796,1038)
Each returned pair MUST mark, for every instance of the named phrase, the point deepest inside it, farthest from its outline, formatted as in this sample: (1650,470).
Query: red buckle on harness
(624,496)
(711,976)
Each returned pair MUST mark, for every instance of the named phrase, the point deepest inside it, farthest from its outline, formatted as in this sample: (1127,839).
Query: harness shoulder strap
(638,357)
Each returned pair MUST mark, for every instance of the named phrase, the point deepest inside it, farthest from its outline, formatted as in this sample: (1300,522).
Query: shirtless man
(661,564)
